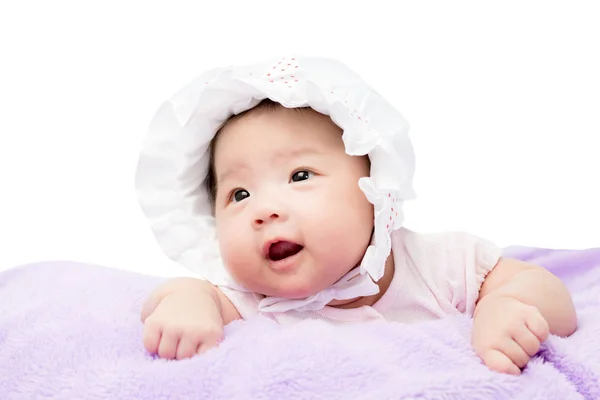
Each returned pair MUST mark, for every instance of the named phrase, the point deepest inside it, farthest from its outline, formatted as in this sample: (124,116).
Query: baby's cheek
(346,234)
(235,249)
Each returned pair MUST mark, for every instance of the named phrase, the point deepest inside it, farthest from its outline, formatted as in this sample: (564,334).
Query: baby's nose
(266,218)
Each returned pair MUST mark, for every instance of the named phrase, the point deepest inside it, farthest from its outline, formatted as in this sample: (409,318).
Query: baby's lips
(267,247)
(280,250)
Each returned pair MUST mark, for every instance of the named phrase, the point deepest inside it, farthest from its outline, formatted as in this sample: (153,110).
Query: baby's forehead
(270,113)
(275,138)
(280,127)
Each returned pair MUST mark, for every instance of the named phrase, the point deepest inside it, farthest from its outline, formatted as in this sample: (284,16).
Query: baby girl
(282,183)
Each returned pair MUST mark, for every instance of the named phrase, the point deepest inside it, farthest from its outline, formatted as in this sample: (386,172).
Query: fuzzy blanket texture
(72,331)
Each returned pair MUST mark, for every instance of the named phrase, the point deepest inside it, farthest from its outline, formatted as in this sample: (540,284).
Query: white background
(503,101)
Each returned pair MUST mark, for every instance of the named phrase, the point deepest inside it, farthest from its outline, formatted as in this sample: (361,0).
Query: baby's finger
(499,362)
(168,345)
(538,326)
(151,338)
(186,348)
(209,344)
(528,341)
(204,347)
(149,306)
(211,338)
(515,352)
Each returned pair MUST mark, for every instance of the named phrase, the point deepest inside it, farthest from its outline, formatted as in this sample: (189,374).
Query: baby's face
(290,217)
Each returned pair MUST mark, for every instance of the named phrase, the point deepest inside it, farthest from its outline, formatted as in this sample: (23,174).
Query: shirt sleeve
(451,267)
(470,259)
(246,303)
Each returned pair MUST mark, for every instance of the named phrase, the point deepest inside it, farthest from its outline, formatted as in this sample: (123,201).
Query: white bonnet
(174,161)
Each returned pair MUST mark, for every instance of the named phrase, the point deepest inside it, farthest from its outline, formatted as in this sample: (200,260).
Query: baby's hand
(182,323)
(507,333)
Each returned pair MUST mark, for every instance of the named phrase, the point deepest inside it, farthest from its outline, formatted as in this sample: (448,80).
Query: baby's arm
(536,287)
(519,304)
(185,316)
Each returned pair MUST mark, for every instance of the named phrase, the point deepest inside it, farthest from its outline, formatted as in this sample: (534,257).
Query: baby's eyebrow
(294,153)
(233,169)
(278,158)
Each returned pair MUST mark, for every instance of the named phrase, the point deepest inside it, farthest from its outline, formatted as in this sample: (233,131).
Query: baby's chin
(291,290)
(289,293)
(293,286)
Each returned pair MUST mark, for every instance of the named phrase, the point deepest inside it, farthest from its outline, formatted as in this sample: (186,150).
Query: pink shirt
(436,275)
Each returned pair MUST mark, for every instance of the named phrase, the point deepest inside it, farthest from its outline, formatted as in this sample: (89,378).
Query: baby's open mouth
(282,249)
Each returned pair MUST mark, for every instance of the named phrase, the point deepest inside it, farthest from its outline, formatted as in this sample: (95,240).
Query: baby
(303,233)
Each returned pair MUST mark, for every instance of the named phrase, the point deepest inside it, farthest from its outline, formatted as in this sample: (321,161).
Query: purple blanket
(72,331)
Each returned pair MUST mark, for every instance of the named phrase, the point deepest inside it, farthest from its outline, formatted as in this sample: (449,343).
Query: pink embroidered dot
(296,80)
(274,67)
(392,209)
(387,226)
(296,66)
(359,118)
(289,64)
(293,59)
(390,218)
(389,195)
(396,214)
(283,69)
(285,82)
(269,74)
(271,81)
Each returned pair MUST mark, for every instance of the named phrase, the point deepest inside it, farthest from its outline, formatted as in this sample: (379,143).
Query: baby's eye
(301,176)
(239,195)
